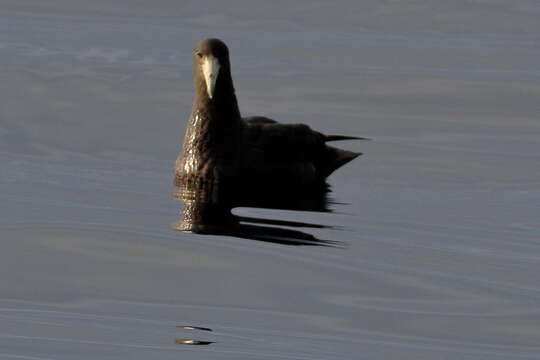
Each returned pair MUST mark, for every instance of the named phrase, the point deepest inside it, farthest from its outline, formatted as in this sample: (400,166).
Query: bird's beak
(210,68)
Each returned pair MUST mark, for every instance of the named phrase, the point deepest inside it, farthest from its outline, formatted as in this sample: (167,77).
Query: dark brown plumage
(220,145)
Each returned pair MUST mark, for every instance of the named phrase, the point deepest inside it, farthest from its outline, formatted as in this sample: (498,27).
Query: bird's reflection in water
(207,210)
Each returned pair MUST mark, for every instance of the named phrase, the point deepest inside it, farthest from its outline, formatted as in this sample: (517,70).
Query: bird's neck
(215,126)
(217,118)
(223,106)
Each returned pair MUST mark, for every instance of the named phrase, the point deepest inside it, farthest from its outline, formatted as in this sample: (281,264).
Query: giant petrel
(220,145)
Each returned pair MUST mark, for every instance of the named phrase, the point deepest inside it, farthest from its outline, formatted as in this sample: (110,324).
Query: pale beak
(210,68)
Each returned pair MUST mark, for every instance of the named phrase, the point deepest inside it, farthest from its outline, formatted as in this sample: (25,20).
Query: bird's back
(288,152)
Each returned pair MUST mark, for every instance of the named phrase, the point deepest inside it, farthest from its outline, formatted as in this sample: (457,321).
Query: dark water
(437,224)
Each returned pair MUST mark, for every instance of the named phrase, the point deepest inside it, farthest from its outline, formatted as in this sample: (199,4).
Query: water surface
(439,218)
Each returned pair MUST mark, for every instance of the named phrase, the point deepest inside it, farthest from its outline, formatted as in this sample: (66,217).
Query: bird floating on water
(220,145)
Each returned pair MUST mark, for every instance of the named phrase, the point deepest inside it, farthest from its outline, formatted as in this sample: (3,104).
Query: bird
(220,145)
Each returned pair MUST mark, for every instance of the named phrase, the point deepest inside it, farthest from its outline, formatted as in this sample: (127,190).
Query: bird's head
(210,59)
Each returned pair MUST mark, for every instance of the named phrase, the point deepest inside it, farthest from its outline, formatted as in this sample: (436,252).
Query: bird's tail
(328,138)
(335,158)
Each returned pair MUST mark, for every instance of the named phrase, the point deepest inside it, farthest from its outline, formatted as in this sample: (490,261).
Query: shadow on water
(207,209)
